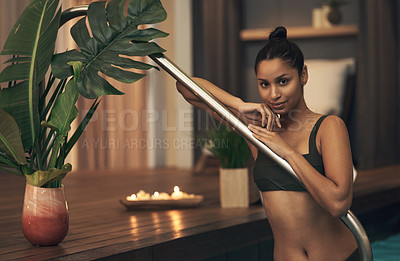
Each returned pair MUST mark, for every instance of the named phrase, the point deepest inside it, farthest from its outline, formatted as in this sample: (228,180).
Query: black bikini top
(269,176)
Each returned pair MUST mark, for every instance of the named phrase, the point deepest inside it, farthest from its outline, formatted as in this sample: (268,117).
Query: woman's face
(280,85)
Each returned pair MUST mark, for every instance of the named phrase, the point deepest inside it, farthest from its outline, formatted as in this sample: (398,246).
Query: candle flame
(133,196)
(176,189)
(156,194)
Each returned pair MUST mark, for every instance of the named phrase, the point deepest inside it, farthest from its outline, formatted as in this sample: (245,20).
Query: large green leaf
(62,114)
(41,177)
(32,41)
(114,34)
(64,110)
(10,138)
(15,101)
(78,132)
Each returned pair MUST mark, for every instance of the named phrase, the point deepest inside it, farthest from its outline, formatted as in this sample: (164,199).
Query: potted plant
(36,111)
(335,14)
(233,153)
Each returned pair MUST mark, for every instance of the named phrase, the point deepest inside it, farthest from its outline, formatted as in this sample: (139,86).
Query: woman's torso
(268,175)
(299,224)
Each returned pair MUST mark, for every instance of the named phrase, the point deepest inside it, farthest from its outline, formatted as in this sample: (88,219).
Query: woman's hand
(272,139)
(256,112)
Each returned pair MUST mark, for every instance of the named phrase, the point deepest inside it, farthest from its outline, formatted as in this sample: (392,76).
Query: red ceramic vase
(45,219)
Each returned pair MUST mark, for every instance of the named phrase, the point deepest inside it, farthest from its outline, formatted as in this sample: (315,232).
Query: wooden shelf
(301,32)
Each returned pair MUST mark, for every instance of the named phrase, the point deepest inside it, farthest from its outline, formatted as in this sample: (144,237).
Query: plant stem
(48,146)
(54,184)
(61,158)
(48,87)
(55,94)
(26,170)
(54,152)
(39,156)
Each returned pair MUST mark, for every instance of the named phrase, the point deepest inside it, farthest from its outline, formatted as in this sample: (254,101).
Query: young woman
(304,222)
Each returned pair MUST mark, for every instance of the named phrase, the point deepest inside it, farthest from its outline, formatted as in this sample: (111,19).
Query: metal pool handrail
(350,220)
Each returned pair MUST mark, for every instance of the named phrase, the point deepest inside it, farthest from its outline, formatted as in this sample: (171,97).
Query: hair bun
(279,33)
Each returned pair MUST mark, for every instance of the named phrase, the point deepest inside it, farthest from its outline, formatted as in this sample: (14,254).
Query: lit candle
(155,195)
(177,194)
(131,197)
(143,195)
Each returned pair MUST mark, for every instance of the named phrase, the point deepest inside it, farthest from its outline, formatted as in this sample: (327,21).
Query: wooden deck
(101,228)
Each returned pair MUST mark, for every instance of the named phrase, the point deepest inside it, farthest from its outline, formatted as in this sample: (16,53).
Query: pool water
(387,250)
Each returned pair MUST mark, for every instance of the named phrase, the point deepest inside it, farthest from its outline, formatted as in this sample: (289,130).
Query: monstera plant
(37,103)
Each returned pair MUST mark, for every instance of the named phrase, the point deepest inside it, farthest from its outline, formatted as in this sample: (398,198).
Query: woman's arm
(255,113)
(333,192)
(226,98)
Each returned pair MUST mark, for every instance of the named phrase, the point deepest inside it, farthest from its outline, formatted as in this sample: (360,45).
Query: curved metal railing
(350,220)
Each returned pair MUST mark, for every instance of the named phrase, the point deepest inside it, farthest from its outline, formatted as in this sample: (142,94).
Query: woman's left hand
(272,139)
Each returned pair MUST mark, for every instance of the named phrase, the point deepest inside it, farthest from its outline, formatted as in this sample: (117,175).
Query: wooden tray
(162,203)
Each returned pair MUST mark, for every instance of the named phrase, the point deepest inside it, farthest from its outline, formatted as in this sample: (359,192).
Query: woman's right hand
(259,113)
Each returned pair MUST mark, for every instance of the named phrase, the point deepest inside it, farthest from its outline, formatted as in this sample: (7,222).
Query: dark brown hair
(278,46)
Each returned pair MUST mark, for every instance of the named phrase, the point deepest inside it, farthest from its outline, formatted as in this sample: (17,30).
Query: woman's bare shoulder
(333,122)
(333,133)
